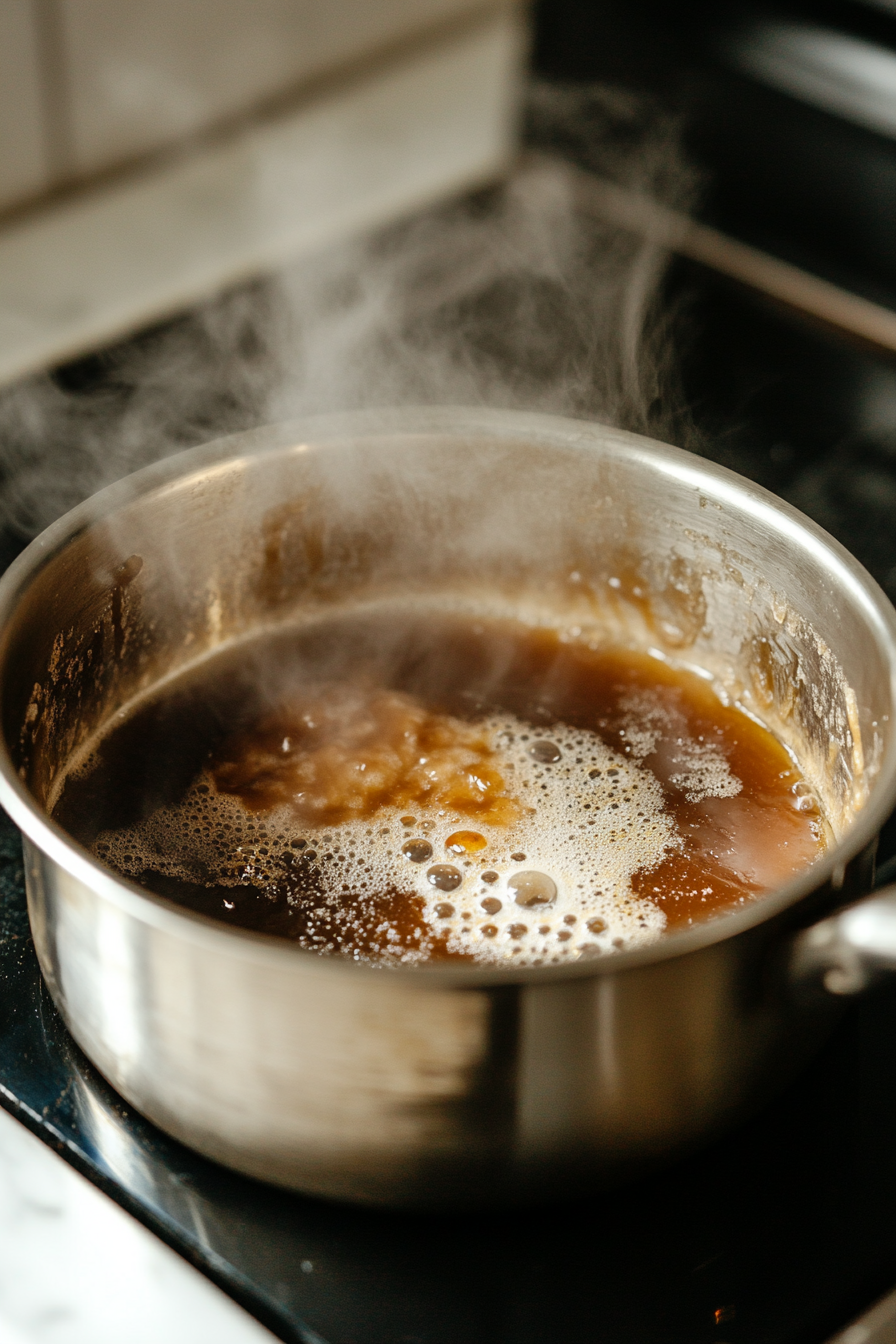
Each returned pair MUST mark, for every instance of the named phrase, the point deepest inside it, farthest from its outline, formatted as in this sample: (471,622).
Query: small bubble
(518,858)
(465,842)
(490,877)
(531,888)
(444,910)
(489,930)
(418,851)
(444,876)
(408,821)
(298,844)
(518,930)
(569,919)
(594,774)
(544,929)
(596,925)
(546,753)
(564,936)
(491,905)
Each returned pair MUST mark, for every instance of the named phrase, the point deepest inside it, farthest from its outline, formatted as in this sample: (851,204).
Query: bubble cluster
(554,886)
(703,772)
(698,768)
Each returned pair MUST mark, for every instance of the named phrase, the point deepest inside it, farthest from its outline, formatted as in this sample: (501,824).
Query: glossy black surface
(777,169)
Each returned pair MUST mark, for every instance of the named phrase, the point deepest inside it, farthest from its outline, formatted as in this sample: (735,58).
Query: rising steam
(508,298)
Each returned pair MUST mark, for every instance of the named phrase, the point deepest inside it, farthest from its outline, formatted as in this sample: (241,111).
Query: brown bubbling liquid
(402,784)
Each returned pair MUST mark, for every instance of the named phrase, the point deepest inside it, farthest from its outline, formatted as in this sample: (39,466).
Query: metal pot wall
(448,1084)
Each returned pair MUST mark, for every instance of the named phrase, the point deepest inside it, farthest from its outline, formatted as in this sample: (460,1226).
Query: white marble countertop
(76,1269)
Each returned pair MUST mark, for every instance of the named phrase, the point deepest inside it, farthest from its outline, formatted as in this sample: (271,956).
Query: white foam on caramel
(700,769)
(593,818)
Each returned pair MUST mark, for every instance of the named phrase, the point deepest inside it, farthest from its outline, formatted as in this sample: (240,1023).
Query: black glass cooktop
(779,1233)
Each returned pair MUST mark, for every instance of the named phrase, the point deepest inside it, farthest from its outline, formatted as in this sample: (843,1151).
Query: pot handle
(847,952)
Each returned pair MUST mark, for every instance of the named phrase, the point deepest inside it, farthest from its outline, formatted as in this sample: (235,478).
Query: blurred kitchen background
(154,156)
(153,153)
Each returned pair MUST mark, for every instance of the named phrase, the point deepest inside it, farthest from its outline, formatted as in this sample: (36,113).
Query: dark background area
(814,187)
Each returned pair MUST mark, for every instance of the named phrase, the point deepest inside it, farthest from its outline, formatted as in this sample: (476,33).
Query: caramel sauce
(343,752)
(417,785)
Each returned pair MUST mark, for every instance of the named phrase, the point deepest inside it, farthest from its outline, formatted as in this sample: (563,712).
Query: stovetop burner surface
(778,1233)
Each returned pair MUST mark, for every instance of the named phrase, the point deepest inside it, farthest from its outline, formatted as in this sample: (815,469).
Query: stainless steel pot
(439,1085)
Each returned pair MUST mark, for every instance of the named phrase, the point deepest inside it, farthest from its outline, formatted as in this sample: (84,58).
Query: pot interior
(573,525)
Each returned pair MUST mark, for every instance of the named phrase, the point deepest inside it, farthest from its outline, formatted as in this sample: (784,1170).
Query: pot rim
(317,432)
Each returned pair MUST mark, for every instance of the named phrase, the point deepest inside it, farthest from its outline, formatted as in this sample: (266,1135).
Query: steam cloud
(507,298)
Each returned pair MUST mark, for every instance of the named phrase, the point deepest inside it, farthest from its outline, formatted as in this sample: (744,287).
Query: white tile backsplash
(391,139)
(24,159)
(143,73)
